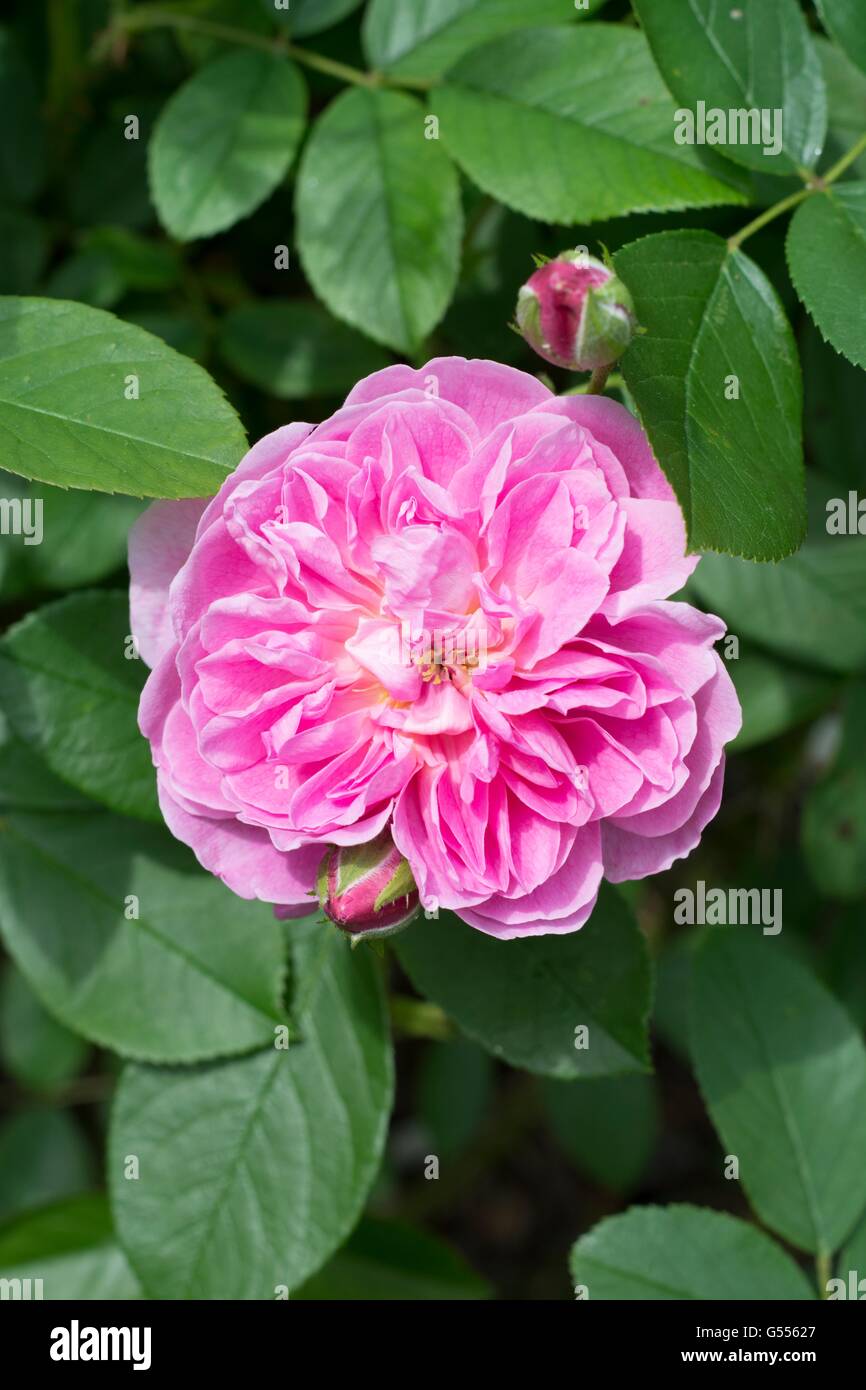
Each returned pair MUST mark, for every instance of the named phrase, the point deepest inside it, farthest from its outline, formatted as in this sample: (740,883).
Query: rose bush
(302,694)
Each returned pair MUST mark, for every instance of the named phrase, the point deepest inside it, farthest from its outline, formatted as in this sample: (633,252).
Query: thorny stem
(816,183)
(136,21)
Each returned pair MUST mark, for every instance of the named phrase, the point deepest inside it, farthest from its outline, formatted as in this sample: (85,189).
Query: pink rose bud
(368,889)
(575,313)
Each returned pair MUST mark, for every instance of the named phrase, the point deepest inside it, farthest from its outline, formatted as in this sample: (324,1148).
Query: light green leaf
(826,248)
(253,1172)
(71,694)
(758,57)
(379,218)
(37,1050)
(43,1156)
(71,1247)
(539,991)
(811,607)
(126,940)
(833,825)
(224,141)
(683,1252)
(775,697)
(783,1072)
(608,1126)
(536,120)
(424,39)
(716,379)
(386,1260)
(294,349)
(22,135)
(65,417)
(843,20)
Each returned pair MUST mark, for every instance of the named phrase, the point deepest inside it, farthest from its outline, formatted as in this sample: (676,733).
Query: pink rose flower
(443,611)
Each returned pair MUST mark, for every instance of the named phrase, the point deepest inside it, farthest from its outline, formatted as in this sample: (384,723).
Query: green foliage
(71,687)
(384,1260)
(43,1156)
(830,232)
(278,1149)
(126,942)
(379,218)
(72,1249)
(608,1126)
(81,428)
(533,120)
(721,405)
(224,142)
(37,1050)
(212,208)
(683,1252)
(538,992)
(293,349)
(760,55)
(787,1091)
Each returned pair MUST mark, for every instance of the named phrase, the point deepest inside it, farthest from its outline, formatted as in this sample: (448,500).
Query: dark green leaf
(304,17)
(43,1156)
(827,258)
(716,379)
(37,1050)
(538,992)
(783,1073)
(758,57)
(834,812)
(26,784)
(379,218)
(454,1092)
(608,1126)
(846,105)
(385,1260)
(843,20)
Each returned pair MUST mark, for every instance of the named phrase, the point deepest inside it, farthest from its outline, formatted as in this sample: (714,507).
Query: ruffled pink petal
(160,541)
